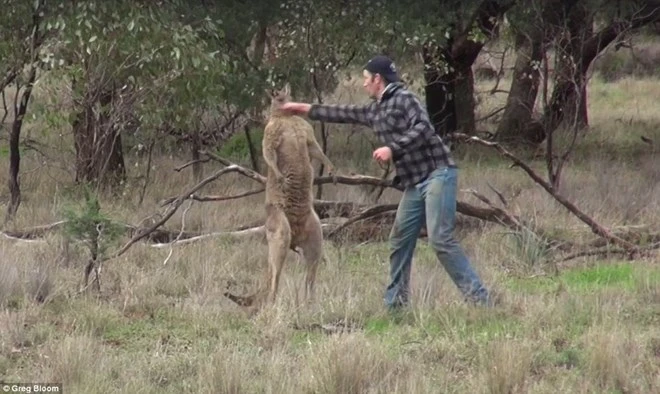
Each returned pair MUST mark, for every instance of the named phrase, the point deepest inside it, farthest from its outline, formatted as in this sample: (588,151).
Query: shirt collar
(389,89)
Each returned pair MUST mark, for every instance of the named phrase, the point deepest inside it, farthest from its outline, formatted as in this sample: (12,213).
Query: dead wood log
(200,198)
(595,226)
(342,209)
(234,235)
(643,251)
(33,233)
(372,212)
(495,215)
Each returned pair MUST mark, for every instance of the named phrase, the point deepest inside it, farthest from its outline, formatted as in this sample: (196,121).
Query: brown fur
(291,222)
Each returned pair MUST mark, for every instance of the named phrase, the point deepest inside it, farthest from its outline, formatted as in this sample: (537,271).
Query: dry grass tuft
(508,366)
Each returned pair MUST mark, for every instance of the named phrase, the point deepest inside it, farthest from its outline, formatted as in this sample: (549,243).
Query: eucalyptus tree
(133,67)
(21,36)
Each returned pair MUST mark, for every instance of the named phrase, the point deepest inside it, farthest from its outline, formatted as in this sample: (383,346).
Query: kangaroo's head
(279,97)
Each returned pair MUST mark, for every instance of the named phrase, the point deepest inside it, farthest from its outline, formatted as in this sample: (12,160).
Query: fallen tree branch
(595,227)
(607,251)
(368,213)
(259,231)
(200,198)
(96,264)
(487,214)
(509,217)
(233,234)
(33,232)
(190,163)
(142,233)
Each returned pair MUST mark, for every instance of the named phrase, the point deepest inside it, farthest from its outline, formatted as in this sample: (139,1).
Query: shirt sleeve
(343,113)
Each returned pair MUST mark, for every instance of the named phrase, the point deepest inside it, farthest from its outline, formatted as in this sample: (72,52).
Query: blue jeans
(431,202)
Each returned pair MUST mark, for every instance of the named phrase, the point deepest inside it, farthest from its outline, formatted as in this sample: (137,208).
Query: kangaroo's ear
(287,89)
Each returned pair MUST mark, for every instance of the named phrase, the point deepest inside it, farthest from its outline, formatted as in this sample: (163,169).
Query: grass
(592,327)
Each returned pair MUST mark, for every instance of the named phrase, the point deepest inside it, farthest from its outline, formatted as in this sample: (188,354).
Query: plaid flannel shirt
(401,123)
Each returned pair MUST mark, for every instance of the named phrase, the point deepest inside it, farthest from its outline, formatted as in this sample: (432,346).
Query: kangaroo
(288,146)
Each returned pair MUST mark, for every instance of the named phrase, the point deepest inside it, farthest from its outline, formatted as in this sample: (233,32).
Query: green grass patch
(475,325)
(378,326)
(567,358)
(620,275)
(601,276)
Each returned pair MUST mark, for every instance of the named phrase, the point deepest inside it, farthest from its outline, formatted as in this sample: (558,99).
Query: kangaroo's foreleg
(316,152)
(270,158)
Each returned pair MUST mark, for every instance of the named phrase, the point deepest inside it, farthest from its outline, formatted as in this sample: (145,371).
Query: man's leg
(403,238)
(440,196)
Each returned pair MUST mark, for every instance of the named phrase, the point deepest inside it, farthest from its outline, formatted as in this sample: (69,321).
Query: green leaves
(161,56)
(90,225)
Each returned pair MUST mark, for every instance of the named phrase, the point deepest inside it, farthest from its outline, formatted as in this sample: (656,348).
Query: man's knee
(442,242)
(400,235)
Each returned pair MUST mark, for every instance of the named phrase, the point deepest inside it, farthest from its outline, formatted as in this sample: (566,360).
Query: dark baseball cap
(384,66)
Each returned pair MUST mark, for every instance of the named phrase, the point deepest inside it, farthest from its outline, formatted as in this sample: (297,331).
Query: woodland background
(130,150)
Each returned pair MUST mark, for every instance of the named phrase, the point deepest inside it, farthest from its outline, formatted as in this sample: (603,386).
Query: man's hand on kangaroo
(295,108)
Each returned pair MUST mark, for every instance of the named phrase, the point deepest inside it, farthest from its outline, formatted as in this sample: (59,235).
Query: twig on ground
(183,226)
(499,194)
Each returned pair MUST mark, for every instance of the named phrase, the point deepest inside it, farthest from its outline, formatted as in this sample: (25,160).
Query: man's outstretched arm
(341,113)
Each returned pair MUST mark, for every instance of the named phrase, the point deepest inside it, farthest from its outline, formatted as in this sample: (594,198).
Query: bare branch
(499,194)
(190,163)
(608,251)
(183,226)
(490,115)
(175,205)
(197,197)
(595,227)
(368,213)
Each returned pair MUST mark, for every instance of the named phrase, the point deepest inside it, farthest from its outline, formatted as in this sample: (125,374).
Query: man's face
(372,84)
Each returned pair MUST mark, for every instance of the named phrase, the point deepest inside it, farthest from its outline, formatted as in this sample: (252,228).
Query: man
(424,168)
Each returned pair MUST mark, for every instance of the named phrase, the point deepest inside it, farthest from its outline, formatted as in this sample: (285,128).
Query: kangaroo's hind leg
(278,236)
(312,252)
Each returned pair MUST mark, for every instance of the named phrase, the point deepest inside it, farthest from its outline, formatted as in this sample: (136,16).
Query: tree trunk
(464,100)
(450,94)
(195,146)
(521,100)
(99,156)
(439,92)
(14,165)
(568,103)
(252,149)
(576,51)
(19,113)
